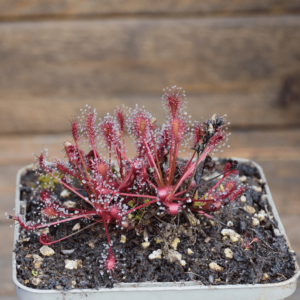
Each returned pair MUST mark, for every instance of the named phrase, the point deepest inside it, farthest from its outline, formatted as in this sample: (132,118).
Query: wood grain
(46,114)
(144,55)
(75,8)
(262,145)
(6,284)
(235,65)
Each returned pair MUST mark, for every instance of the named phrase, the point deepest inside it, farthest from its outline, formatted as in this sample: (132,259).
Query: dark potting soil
(199,236)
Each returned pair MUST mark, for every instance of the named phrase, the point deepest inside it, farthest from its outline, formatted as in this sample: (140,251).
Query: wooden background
(240,57)
(237,56)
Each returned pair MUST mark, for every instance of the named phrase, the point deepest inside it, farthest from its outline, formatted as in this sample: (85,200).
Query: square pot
(162,290)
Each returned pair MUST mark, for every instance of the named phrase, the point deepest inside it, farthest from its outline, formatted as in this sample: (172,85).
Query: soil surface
(260,255)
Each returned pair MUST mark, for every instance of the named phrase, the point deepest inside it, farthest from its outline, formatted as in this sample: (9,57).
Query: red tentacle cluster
(199,133)
(90,126)
(75,130)
(45,240)
(174,100)
(120,111)
(26,225)
(109,132)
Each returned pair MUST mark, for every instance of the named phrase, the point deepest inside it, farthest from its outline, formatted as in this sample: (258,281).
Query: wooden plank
(46,114)
(262,145)
(71,8)
(144,55)
(7,190)
(291,225)
(91,58)
(50,69)
(7,287)
(296,295)
(284,181)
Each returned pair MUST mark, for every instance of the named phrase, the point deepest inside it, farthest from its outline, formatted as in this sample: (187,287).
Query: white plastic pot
(169,290)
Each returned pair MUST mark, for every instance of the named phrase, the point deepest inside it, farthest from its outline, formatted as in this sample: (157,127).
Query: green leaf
(197,204)
(47,181)
(138,216)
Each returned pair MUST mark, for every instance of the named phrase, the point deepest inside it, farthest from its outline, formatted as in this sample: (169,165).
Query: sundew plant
(117,188)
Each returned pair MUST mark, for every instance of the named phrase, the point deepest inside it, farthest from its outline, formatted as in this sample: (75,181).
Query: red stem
(124,156)
(191,169)
(149,182)
(150,157)
(167,174)
(82,161)
(125,180)
(138,207)
(176,146)
(223,177)
(80,177)
(185,169)
(109,155)
(53,242)
(107,234)
(193,200)
(201,212)
(119,161)
(124,149)
(156,157)
(65,220)
(171,158)
(68,187)
(138,196)
(215,186)
(95,152)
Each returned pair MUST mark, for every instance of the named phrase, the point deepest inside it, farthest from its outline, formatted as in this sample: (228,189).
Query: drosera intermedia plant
(118,189)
